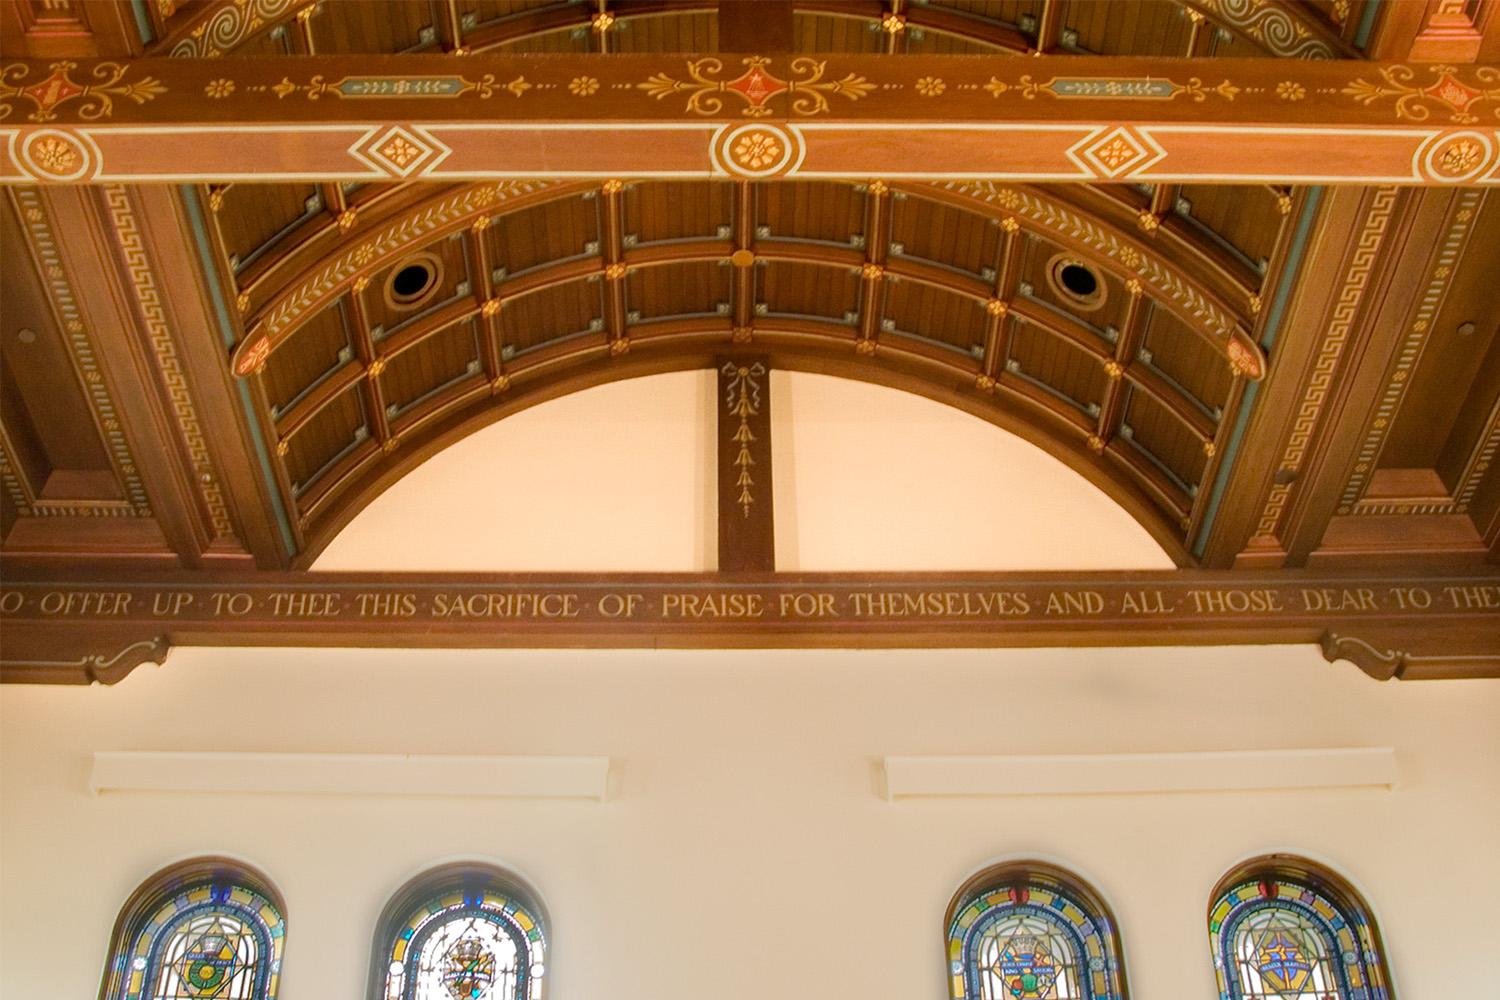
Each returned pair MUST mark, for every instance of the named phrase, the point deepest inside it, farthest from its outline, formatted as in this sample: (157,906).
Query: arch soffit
(284,298)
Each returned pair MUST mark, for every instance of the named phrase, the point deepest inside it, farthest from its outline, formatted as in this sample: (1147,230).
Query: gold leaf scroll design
(1117,88)
(742,399)
(810,94)
(1271,26)
(1417,104)
(98,97)
(1160,275)
(291,307)
(164,349)
(230,26)
(1345,310)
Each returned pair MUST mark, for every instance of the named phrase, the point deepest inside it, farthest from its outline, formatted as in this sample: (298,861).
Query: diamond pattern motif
(1118,151)
(401,151)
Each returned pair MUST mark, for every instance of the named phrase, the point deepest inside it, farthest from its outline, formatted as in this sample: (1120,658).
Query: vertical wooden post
(747,539)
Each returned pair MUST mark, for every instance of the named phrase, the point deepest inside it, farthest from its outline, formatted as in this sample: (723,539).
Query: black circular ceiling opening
(1078,284)
(413,280)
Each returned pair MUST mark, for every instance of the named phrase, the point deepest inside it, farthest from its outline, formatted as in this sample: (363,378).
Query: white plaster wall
(746,854)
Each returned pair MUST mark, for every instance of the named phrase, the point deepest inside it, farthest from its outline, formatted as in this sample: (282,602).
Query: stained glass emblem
(470,970)
(1026,967)
(1279,959)
(208,964)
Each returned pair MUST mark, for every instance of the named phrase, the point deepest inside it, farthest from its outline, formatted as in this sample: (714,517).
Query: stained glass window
(1285,929)
(463,932)
(202,930)
(1030,931)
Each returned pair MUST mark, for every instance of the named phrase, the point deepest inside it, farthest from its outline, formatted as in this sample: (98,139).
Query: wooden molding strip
(1136,773)
(350,774)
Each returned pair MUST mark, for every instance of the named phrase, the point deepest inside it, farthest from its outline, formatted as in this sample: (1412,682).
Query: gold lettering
(1419,598)
(619,605)
(308,604)
(235,604)
(11,601)
(1070,602)
(809,604)
(1473,598)
(170,603)
(386,605)
(78,603)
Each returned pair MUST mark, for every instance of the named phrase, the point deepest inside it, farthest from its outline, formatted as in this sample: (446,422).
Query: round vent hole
(411,281)
(1079,280)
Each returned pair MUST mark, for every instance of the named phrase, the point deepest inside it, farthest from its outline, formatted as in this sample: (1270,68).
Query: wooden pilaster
(747,541)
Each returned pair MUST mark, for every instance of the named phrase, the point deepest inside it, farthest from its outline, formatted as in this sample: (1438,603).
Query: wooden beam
(898,117)
(61,629)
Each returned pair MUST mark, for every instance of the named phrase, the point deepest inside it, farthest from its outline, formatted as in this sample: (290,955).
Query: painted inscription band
(426,608)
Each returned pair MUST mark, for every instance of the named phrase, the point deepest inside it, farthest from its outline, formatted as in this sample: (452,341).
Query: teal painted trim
(1366,24)
(226,331)
(1293,265)
(143,21)
(1267,338)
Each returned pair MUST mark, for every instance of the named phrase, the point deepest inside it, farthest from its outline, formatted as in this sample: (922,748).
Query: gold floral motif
(1290,90)
(347,218)
(480,224)
(872,272)
(399,151)
(500,383)
(1283,203)
(59,88)
(1096,444)
(603,21)
(282,447)
(742,335)
(391,443)
(219,89)
(361,283)
(1209,449)
(983,382)
(996,87)
(931,86)
(995,307)
(1147,220)
(216,199)
(1010,224)
(490,307)
(879,187)
(1112,369)
(583,86)
(865,346)
(242,301)
(893,24)
(54,155)
(1133,286)
(376,367)
(1254,303)
(1461,157)
(1115,153)
(615,272)
(613,187)
(756,150)
(620,345)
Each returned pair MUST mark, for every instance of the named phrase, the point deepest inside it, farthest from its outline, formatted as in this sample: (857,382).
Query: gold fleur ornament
(583,86)
(219,89)
(1289,90)
(756,150)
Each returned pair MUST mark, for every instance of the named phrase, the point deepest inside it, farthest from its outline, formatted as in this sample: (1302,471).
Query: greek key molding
(1419,331)
(1330,352)
(164,351)
(39,235)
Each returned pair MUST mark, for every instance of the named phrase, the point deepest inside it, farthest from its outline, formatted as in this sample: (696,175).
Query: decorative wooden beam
(761,27)
(72,629)
(1130,120)
(747,538)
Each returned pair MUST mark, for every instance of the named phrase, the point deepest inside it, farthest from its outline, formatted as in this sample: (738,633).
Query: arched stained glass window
(1032,931)
(207,929)
(461,932)
(1283,928)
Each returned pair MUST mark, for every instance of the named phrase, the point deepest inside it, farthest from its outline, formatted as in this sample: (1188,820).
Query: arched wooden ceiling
(1312,29)
(957,291)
